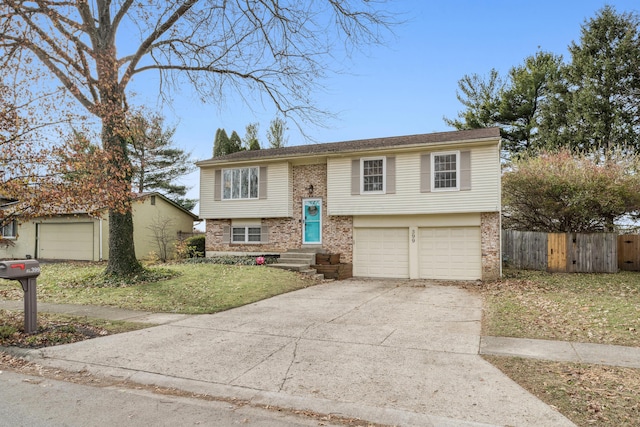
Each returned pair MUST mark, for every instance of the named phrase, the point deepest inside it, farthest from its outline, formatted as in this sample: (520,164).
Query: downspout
(100,240)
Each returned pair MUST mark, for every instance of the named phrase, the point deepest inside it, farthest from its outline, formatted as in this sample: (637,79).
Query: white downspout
(100,240)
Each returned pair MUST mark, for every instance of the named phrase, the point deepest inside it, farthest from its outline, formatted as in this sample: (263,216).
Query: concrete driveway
(389,351)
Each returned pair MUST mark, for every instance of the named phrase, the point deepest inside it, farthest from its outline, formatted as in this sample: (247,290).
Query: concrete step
(292,267)
(285,259)
(298,255)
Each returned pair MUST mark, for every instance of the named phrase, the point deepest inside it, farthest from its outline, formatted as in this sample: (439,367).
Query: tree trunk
(122,253)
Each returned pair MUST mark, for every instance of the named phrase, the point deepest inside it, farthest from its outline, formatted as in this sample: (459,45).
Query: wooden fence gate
(629,252)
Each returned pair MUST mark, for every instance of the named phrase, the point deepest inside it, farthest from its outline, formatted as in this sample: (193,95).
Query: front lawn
(593,308)
(190,288)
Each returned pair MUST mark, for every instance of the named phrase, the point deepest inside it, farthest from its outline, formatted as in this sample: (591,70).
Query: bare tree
(162,236)
(277,48)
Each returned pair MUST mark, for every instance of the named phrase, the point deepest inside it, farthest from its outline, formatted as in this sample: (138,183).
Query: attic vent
(153,200)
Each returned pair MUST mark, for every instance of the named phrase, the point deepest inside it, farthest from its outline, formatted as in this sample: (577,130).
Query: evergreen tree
(604,83)
(481,97)
(157,164)
(220,143)
(235,143)
(525,99)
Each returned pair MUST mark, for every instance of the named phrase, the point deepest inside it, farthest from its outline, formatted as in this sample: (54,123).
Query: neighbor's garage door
(66,241)
(381,252)
(450,253)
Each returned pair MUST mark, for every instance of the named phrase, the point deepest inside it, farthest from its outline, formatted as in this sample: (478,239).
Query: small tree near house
(162,236)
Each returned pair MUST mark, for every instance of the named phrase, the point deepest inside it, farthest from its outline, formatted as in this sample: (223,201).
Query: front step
(297,260)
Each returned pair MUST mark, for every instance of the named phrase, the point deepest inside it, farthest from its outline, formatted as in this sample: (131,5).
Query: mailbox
(25,271)
(15,270)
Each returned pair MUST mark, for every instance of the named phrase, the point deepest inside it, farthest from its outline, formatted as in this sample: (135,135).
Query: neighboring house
(78,236)
(419,206)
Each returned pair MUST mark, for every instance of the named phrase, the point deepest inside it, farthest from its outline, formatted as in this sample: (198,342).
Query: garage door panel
(450,253)
(381,252)
(73,241)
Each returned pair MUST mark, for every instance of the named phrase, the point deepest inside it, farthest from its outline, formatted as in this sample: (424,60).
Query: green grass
(190,288)
(595,308)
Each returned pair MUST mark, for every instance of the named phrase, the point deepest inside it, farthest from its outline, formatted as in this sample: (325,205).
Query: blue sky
(408,85)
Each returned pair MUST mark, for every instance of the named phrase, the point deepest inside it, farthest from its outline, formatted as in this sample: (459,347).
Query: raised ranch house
(419,206)
(78,236)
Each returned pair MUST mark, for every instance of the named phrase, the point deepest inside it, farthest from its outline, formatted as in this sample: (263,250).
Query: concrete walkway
(557,351)
(99,312)
(399,353)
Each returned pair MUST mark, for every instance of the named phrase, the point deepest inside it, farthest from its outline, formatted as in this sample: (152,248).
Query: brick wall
(286,233)
(490,246)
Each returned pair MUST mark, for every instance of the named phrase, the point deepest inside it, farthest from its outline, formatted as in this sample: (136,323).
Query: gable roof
(140,196)
(358,145)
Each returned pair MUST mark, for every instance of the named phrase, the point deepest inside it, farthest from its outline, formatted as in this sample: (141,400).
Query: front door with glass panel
(311,221)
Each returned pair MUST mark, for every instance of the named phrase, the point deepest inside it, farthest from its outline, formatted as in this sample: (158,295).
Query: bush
(233,260)
(192,247)
(197,245)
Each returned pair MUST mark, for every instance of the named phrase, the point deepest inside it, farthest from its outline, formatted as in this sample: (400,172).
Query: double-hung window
(373,175)
(240,183)
(445,167)
(245,234)
(9,230)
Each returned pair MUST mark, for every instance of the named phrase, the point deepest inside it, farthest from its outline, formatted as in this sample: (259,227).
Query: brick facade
(490,245)
(286,233)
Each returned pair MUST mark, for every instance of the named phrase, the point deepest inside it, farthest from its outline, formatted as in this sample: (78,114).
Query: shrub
(192,247)
(233,260)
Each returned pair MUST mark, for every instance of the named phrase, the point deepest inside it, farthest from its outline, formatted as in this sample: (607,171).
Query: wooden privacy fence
(561,252)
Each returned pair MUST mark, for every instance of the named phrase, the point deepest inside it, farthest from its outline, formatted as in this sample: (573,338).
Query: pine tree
(235,143)
(220,143)
(157,164)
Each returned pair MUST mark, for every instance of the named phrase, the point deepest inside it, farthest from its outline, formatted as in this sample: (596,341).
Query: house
(78,236)
(418,206)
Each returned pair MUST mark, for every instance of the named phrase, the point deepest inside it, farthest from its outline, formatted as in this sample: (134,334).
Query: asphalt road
(41,402)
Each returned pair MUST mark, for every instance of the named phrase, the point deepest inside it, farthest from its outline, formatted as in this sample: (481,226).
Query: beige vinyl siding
(162,217)
(408,199)
(276,204)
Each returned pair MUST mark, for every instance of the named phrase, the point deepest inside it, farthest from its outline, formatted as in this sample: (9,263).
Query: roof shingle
(358,145)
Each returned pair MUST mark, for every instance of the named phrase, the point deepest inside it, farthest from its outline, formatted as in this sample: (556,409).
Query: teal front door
(312,221)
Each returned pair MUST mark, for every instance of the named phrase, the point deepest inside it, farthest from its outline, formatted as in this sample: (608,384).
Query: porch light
(310,190)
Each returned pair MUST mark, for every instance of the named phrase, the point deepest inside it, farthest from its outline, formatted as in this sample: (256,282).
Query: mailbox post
(24,271)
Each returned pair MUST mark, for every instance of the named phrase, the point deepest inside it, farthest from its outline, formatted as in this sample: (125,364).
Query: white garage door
(450,253)
(66,241)
(381,252)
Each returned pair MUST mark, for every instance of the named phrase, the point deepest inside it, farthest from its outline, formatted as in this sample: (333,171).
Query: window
(241,183)
(9,230)
(445,169)
(246,234)
(373,175)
